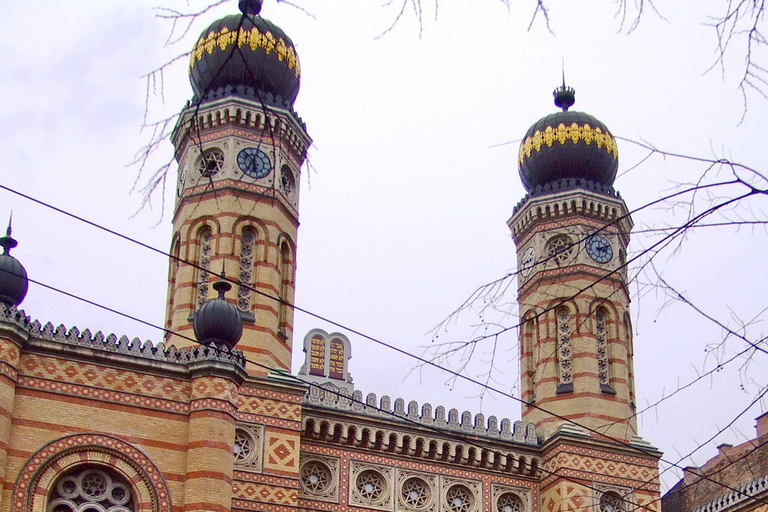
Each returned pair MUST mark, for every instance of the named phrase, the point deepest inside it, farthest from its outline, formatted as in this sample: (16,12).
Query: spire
(222,286)
(565,96)
(8,242)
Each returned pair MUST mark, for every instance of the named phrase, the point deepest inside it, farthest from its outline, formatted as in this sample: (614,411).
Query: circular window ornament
(611,502)
(210,162)
(315,477)
(415,494)
(509,502)
(459,499)
(287,182)
(90,490)
(560,249)
(371,486)
(244,446)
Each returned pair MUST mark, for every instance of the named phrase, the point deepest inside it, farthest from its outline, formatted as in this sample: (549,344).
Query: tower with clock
(571,231)
(240,147)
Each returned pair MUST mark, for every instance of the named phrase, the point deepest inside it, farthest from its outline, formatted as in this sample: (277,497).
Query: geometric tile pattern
(566,496)
(267,407)
(282,452)
(88,392)
(264,493)
(211,387)
(104,378)
(614,468)
(32,487)
(9,356)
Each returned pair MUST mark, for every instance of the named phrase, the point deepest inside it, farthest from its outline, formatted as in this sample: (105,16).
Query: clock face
(599,248)
(182,180)
(254,163)
(529,260)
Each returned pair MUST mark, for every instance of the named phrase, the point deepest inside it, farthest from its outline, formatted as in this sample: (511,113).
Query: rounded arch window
(315,477)
(611,502)
(509,502)
(91,490)
(415,493)
(459,499)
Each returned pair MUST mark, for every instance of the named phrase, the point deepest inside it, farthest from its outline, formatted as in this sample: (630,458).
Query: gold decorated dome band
(252,39)
(573,134)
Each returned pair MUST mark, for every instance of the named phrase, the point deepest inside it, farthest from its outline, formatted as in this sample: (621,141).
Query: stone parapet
(397,411)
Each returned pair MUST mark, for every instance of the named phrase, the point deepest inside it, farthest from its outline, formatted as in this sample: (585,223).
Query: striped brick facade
(224,207)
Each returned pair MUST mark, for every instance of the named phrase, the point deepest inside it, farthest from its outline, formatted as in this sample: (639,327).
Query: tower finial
(565,96)
(252,7)
(7,242)
(222,286)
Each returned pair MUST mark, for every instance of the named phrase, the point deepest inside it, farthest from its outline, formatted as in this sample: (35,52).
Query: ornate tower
(240,148)
(571,232)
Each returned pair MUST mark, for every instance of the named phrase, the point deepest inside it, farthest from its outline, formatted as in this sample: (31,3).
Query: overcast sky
(414,175)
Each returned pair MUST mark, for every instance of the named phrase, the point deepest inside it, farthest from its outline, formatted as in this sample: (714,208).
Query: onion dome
(13,275)
(567,145)
(245,54)
(218,321)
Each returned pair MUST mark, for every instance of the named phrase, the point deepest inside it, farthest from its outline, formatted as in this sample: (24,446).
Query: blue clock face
(599,249)
(254,163)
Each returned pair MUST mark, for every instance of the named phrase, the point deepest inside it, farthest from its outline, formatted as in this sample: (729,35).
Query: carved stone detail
(370,486)
(249,447)
(319,478)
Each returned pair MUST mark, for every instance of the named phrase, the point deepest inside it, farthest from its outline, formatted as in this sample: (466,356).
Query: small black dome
(567,145)
(247,51)
(218,321)
(13,275)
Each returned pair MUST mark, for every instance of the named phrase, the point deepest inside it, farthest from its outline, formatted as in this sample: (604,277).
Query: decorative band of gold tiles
(562,134)
(252,39)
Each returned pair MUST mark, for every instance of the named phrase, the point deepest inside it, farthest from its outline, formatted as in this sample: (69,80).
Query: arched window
(286,285)
(247,269)
(603,351)
(564,350)
(204,251)
(172,278)
(91,489)
(630,359)
(527,347)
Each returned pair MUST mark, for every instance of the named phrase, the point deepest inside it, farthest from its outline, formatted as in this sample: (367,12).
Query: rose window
(370,486)
(315,477)
(509,502)
(287,182)
(560,249)
(243,446)
(210,162)
(459,499)
(415,493)
(611,502)
(91,490)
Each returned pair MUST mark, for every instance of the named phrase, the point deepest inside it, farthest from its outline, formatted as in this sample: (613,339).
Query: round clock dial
(529,260)
(182,181)
(599,249)
(254,163)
